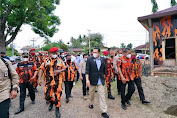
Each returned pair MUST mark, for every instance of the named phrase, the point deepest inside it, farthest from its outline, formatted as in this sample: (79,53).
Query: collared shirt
(136,68)
(82,67)
(26,71)
(115,64)
(125,64)
(49,66)
(5,82)
(98,63)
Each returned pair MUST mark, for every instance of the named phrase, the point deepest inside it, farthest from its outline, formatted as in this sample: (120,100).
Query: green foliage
(96,40)
(130,45)
(64,47)
(47,41)
(122,45)
(173,2)
(36,13)
(9,51)
(154,6)
(76,43)
(114,47)
(58,44)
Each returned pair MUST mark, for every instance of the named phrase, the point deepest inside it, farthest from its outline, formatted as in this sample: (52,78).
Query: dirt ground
(161,91)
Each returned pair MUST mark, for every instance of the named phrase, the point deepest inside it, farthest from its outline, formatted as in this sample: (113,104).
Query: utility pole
(12,46)
(89,42)
(33,40)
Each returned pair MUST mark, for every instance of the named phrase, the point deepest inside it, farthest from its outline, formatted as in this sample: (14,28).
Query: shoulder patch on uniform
(58,61)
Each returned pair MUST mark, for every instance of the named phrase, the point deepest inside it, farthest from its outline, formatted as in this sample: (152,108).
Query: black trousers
(131,89)
(77,76)
(118,84)
(84,86)
(4,108)
(68,88)
(139,87)
(23,87)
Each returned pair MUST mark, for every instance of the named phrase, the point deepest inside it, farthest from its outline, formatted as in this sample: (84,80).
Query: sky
(116,20)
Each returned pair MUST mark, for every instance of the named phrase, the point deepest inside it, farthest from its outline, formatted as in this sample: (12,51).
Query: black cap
(2,53)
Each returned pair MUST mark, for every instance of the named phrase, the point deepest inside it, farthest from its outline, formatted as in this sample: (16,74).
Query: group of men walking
(57,68)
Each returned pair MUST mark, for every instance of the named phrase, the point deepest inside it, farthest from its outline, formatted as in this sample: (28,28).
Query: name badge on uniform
(124,61)
(58,61)
(6,74)
(48,62)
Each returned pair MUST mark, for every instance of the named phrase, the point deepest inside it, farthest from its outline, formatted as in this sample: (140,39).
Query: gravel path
(78,108)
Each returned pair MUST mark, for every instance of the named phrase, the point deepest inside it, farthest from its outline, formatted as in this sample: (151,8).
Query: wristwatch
(16,89)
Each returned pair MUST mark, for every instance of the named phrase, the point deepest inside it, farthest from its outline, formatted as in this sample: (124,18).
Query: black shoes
(128,102)
(119,93)
(67,100)
(124,107)
(71,96)
(35,90)
(28,95)
(110,96)
(50,106)
(91,106)
(19,110)
(33,102)
(145,102)
(105,115)
(57,112)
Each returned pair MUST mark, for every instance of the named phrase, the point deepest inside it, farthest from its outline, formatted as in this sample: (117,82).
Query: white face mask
(62,55)
(95,55)
(129,56)
(85,59)
(120,55)
(54,56)
(25,59)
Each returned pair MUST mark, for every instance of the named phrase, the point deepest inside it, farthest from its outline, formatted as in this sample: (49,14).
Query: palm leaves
(154,6)
(173,2)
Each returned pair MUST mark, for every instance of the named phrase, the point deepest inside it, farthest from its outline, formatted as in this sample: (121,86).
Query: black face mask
(69,60)
(2,56)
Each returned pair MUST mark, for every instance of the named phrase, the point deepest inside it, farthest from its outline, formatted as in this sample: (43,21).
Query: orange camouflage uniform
(113,70)
(70,72)
(35,60)
(26,71)
(109,74)
(53,83)
(126,67)
(136,68)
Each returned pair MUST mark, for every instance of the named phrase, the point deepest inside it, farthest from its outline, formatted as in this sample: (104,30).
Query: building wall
(162,27)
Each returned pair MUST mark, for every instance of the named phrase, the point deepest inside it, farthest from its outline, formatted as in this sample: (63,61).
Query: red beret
(53,49)
(105,52)
(32,49)
(66,53)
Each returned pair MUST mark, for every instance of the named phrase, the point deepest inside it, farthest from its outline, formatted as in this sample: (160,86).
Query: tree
(47,41)
(64,47)
(122,45)
(173,2)
(9,51)
(154,6)
(36,13)
(96,40)
(114,47)
(130,45)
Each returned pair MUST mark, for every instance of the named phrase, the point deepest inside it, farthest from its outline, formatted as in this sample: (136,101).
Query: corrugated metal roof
(142,46)
(166,12)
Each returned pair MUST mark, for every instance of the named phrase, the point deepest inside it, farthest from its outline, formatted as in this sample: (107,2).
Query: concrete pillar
(151,48)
